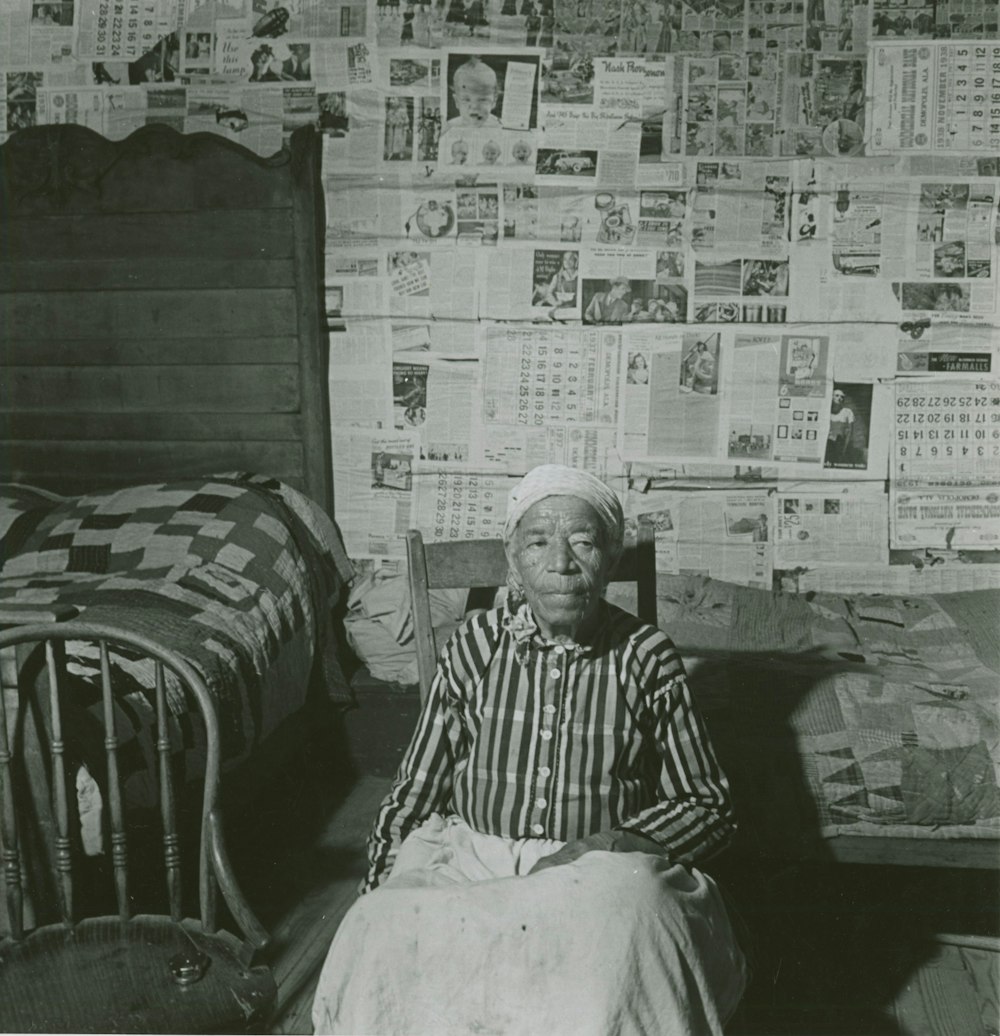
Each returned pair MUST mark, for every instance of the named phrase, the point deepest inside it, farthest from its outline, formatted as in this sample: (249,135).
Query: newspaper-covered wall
(736,257)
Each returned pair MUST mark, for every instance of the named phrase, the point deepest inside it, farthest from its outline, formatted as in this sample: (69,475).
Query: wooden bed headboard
(161,310)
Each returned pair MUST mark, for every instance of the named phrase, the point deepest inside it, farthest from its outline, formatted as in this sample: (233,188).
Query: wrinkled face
(558,554)
(474,100)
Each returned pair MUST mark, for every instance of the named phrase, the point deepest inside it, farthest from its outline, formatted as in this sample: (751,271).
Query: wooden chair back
(119,970)
(481,565)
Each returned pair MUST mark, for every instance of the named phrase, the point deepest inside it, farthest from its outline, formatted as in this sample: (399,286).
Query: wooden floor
(301,849)
(305,930)
(837,951)
(858,951)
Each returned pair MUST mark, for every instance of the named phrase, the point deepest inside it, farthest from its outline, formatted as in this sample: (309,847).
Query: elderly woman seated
(533,867)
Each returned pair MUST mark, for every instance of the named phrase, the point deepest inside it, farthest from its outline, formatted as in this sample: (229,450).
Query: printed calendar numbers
(949,435)
(468,507)
(936,95)
(969,96)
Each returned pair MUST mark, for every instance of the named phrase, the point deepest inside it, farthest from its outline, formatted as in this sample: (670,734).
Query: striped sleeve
(423,783)
(693,817)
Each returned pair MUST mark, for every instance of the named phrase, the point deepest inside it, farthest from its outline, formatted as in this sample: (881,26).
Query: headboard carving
(53,165)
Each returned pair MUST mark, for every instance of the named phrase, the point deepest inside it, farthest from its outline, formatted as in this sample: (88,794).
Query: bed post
(308,214)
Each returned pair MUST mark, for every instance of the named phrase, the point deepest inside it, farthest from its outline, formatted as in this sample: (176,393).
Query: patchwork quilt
(863,714)
(238,573)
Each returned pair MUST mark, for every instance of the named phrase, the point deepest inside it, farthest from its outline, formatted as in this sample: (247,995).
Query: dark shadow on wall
(831,944)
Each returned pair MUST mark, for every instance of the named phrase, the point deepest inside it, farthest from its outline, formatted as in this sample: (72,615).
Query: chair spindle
(57,748)
(168,808)
(119,849)
(8,830)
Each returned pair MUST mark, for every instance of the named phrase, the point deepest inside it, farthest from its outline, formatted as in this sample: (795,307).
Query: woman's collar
(519,621)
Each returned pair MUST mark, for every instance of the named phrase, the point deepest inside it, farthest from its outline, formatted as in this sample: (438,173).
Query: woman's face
(559,556)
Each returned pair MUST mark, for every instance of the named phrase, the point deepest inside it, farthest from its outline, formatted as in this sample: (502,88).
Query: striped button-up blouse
(525,739)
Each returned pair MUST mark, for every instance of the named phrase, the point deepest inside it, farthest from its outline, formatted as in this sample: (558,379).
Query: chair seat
(105,975)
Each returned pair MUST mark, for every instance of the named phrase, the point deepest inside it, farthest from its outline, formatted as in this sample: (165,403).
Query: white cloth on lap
(461,940)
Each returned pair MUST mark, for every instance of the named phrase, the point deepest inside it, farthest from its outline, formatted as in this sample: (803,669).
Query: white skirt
(460,939)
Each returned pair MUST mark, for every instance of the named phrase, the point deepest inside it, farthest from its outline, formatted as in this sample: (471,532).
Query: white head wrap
(558,480)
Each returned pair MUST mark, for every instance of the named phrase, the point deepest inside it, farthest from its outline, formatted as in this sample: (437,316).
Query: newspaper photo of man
(850,418)
(611,305)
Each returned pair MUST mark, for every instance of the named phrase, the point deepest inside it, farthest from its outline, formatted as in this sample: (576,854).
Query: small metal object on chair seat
(188,966)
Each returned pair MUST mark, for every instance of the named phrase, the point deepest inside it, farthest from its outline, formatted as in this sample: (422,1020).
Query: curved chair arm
(256,935)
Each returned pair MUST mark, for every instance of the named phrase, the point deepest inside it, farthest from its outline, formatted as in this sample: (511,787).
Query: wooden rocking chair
(121,971)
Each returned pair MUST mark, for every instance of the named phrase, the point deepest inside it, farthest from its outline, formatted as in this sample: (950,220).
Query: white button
(537,829)
(559,649)
(543,771)
(546,735)
(549,709)
(541,803)
(555,674)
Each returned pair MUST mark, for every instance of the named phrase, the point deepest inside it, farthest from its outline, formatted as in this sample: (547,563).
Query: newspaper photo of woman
(265,66)
(398,129)
(699,366)
(558,288)
(637,372)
